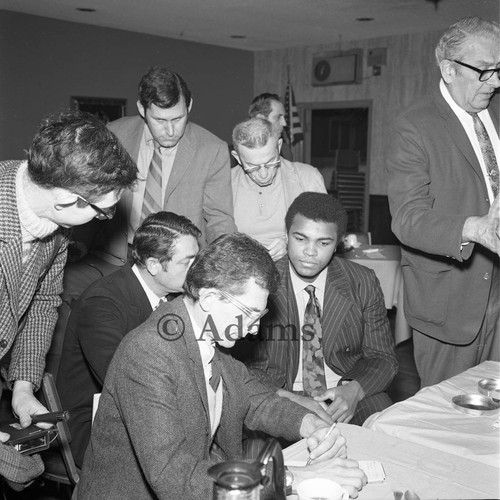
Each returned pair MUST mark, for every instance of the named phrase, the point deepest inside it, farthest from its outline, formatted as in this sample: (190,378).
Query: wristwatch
(288,481)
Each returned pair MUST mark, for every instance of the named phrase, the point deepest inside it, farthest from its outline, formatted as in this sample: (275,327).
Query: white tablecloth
(428,472)
(429,419)
(385,260)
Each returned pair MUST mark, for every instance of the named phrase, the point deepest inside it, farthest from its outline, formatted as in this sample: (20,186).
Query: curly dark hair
(163,88)
(320,207)
(228,263)
(157,235)
(75,151)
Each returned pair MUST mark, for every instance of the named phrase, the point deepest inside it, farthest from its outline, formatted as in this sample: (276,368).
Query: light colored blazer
(151,436)
(199,188)
(357,340)
(18,285)
(434,184)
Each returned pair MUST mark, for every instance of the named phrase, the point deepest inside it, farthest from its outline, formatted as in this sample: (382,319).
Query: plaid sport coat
(18,287)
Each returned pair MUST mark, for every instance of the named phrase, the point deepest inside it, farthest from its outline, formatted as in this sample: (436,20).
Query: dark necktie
(152,193)
(487,151)
(162,300)
(216,371)
(313,366)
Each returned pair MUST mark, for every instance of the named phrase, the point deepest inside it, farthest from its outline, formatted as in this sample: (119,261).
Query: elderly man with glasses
(265,184)
(443,193)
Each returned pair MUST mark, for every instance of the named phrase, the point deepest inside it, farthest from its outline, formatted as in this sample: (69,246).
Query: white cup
(325,489)
(351,240)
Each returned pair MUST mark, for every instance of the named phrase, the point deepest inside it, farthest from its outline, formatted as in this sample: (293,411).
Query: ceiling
(263,24)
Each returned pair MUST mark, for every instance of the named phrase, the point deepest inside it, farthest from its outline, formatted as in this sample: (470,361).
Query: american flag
(293,126)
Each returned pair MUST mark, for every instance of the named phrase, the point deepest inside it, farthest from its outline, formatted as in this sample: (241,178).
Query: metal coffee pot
(263,479)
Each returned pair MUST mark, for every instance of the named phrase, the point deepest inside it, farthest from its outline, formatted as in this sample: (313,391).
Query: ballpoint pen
(309,460)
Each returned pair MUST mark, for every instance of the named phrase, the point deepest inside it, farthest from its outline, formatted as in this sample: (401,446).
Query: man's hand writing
(321,445)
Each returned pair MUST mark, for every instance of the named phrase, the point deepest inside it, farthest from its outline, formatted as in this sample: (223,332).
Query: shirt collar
(299,284)
(154,300)
(460,112)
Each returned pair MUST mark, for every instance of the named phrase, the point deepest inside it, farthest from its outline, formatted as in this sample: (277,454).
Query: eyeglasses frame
(242,307)
(480,71)
(101,214)
(268,165)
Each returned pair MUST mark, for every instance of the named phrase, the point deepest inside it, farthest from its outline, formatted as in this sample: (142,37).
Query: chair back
(69,472)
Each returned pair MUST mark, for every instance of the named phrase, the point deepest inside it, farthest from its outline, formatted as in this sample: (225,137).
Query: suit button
(3,343)
(347,349)
(486,276)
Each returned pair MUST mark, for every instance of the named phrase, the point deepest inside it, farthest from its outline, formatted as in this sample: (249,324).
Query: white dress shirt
(468,124)
(146,150)
(302,298)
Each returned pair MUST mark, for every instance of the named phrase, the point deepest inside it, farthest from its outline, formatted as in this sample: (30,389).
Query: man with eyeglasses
(443,186)
(76,170)
(265,184)
(174,403)
(163,249)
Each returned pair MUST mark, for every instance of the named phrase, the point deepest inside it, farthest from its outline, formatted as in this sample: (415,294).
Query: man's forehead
(277,107)
(257,154)
(482,49)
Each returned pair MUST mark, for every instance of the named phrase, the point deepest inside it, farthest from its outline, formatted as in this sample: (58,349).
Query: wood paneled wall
(410,72)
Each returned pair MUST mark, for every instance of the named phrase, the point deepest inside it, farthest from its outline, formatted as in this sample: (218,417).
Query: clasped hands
(336,404)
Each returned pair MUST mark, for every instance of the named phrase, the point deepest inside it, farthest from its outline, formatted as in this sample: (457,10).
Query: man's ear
(190,105)
(448,70)
(207,297)
(141,109)
(236,156)
(153,266)
(63,198)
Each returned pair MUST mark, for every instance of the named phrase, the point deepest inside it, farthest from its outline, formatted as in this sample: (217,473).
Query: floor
(405,384)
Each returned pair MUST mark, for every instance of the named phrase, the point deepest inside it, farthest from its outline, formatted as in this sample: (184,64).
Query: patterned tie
(216,371)
(152,193)
(313,366)
(488,154)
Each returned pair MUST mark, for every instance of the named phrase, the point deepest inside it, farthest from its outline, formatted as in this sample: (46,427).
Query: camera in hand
(29,440)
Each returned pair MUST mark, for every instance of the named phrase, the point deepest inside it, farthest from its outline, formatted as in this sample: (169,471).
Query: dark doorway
(338,145)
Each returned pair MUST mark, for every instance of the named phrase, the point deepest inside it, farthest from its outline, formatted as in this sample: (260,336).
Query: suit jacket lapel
(336,305)
(193,353)
(457,133)
(182,162)
(10,240)
(287,314)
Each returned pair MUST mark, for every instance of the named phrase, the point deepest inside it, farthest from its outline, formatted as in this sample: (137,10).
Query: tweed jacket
(109,309)
(18,287)
(357,340)
(435,184)
(151,435)
(199,188)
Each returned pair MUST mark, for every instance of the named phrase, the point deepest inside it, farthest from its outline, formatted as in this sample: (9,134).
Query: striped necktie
(313,365)
(153,191)
(487,151)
